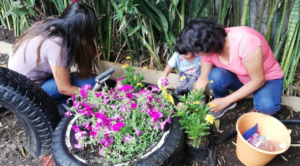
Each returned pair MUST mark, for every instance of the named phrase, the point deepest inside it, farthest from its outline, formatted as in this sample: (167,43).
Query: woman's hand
(218,104)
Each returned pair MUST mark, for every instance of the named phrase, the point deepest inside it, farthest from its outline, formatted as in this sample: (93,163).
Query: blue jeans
(186,84)
(267,99)
(51,88)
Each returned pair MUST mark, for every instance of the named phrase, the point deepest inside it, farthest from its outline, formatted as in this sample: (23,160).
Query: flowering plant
(121,122)
(194,118)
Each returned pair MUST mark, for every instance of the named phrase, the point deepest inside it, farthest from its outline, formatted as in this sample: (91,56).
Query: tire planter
(168,151)
(34,108)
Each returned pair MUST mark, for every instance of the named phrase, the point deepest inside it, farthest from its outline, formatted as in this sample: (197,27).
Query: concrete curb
(5,48)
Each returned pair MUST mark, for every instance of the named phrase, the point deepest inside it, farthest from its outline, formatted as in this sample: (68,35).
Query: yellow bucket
(268,126)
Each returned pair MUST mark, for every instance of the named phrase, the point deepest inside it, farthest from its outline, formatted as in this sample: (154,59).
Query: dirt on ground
(226,151)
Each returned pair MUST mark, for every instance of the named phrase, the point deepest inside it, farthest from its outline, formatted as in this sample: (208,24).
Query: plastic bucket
(267,126)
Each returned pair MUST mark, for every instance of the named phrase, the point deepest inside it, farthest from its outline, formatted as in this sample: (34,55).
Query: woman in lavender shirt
(48,49)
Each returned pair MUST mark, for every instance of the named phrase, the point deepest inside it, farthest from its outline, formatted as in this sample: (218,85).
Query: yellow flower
(211,81)
(196,102)
(128,57)
(212,104)
(144,67)
(170,98)
(182,78)
(140,84)
(194,84)
(124,66)
(210,119)
(134,77)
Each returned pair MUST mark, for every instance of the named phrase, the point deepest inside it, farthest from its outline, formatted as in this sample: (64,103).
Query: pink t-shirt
(243,42)
(51,53)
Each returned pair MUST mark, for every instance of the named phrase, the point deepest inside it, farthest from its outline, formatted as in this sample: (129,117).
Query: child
(189,70)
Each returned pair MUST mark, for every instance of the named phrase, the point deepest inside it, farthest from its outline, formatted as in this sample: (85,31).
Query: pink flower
(73,97)
(119,86)
(127,138)
(162,106)
(123,109)
(69,113)
(164,82)
(87,125)
(80,135)
(129,95)
(145,92)
(118,126)
(78,146)
(149,99)
(137,131)
(100,115)
(76,129)
(159,125)
(133,105)
(156,115)
(98,94)
(181,59)
(127,88)
(120,79)
(168,119)
(84,90)
(107,141)
(106,100)
(154,88)
(93,133)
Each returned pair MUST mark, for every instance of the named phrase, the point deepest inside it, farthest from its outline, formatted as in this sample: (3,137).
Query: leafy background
(146,30)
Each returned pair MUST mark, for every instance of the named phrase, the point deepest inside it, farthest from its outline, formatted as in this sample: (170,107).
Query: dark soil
(12,137)
(7,35)
(226,154)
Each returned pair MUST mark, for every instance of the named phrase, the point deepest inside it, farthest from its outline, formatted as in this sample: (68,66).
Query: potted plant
(127,123)
(196,122)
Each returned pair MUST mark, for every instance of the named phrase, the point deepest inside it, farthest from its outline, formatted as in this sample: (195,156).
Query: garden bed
(11,135)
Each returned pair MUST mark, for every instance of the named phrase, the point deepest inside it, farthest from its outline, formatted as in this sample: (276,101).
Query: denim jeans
(187,83)
(267,99)
(51,88)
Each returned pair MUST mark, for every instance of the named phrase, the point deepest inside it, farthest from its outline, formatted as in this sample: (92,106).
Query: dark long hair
(201,35)
(77,26)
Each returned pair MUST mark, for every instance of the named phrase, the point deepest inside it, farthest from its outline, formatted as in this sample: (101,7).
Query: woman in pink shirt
(236,58)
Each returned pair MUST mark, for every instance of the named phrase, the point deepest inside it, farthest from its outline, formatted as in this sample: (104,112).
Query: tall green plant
(293,26)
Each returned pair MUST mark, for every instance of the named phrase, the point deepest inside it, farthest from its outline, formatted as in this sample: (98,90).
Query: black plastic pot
(198,154)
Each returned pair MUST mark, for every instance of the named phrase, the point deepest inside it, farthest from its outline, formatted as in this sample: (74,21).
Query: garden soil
(12,134)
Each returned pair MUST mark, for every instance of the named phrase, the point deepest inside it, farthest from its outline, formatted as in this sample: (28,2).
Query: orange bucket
(267,126)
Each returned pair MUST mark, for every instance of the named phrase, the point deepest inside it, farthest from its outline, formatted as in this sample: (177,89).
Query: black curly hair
(201,35)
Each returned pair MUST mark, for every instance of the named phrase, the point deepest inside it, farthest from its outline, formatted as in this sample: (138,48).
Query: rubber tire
(170,153)
(34,108)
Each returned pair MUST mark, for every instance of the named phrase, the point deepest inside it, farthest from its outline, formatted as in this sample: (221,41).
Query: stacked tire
(34,108)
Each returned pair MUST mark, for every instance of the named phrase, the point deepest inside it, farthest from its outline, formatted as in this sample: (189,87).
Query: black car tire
(34,108)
